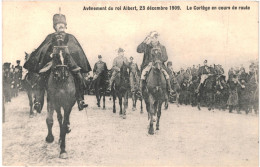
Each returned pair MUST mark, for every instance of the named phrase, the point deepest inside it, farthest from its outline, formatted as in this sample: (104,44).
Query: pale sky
(229,37)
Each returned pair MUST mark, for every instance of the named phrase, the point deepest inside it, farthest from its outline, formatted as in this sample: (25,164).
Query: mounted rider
(60,42)
(117,64)
(99,67)
(152,50)
(204,72)
(134,74)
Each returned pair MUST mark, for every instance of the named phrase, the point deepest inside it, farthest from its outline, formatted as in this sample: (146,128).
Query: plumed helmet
(59,18)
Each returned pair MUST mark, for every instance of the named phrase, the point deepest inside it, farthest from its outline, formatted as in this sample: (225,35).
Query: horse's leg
(41,99)
(177,99)
(59,117)
(125,105)
(49,122)
(158,115)
(141,100)
(114,104)
(98,97)
(134,101)
(151,111)
(104,100)
(29,93)
(166,101)
(120,104)
(64,131)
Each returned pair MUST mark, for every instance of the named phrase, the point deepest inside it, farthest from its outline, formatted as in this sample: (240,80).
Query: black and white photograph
(130,83)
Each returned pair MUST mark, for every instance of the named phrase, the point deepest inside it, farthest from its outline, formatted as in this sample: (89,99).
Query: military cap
(169,63)
(7,65)
(99,56)
(120,50)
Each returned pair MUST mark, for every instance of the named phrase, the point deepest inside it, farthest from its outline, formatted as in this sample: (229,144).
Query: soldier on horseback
(99,67)
(204,72)
(152,50)
(117,64)
(60,42)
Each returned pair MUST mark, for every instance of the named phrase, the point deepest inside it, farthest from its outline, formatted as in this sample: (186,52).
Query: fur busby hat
(59,18)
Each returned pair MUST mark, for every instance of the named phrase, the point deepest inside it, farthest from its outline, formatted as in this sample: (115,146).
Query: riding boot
(169,87)
(79,84)
(141,88)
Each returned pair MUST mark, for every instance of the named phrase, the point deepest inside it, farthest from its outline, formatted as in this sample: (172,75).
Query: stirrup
(82,105)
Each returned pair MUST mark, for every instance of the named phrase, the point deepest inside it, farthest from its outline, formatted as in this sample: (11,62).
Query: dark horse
(154,94)
(31,85)
(60,94)
(134,77)
(120,89)
(100,85)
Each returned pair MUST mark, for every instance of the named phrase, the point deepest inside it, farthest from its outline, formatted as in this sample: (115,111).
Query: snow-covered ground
(187,137)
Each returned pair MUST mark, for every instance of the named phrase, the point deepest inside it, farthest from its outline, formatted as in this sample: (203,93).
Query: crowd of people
(238,90)
(12,77)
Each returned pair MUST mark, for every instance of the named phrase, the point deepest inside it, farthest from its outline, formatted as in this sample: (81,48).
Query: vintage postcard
(134,83)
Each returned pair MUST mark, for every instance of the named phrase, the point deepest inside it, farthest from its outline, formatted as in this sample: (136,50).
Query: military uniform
(117,64)
(98,68)
(40,60)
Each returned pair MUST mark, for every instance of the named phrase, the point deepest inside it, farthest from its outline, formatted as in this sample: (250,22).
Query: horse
(60,94)
(154,94)
(31,85)
(120,89)
(135,82)
(100,86)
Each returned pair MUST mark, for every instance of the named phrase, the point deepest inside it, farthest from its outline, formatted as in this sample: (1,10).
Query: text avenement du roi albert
(205,8)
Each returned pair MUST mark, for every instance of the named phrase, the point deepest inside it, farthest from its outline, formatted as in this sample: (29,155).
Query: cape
(41,56)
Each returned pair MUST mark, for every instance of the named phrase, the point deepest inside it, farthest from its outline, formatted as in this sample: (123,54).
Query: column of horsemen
(192,86)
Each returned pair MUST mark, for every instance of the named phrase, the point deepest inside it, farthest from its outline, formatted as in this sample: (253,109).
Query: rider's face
(154,39)
(60,27)
(121,53)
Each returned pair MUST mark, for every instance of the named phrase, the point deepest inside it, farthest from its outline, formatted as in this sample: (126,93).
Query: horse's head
(60,69)
(157,65)
(124,70)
